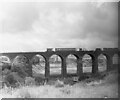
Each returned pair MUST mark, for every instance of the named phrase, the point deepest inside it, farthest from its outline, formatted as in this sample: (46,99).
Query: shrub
(6,66)
(12,79)
(21,72)
(29,81)
(39,80)
(83,77)
(59,83)
(35,60)
(21,66)
(5,72)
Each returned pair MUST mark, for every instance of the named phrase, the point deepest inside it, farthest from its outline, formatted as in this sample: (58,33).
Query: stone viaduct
(63,53)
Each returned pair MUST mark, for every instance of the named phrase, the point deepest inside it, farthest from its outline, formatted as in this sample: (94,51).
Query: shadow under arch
(55,64)
(87,62)
(102,62)
(71,64)
(38,65)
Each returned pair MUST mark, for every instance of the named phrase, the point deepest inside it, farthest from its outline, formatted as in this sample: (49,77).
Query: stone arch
(5,59)
(102,63)
(38,65)
(20,58)
(108,61)
(87,61)
(55,64)
(21,64)
(71,64)
(5,62)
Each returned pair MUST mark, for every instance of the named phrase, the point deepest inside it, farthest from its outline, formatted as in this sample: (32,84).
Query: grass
(106,87)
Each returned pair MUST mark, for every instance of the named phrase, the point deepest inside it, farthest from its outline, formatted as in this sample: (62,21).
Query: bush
(35,60)
(83,77)
(5,72)
(39,80)
(12,79)
(21,72)
(21,66)
(6,66)
(29,81)
(59,83)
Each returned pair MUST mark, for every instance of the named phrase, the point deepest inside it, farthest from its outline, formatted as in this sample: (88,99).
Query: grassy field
(106,87)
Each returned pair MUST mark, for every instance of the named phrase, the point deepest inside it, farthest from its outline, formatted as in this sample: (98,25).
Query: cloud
(18,17)
(33,26)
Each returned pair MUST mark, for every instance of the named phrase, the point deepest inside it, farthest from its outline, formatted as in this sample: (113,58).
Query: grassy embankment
(94,87)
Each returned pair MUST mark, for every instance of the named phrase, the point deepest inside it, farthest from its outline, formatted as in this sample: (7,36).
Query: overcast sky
(35,26)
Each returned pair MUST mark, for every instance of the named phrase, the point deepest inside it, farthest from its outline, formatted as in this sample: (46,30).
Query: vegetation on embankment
(104,85)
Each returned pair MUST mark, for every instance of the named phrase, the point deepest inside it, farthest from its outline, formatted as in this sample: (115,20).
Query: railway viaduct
(63,53)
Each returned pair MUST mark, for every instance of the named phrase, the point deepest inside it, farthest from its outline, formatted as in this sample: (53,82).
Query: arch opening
(4,59)
(21,65)
(55,62)
(5,63)
(20,59)
(38,65)
(71,63)
(102,63)
(87,63)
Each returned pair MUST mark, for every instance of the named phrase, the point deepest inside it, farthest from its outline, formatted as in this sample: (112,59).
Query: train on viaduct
(63,53)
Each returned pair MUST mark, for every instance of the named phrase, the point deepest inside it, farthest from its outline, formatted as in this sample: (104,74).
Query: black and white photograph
(59,49)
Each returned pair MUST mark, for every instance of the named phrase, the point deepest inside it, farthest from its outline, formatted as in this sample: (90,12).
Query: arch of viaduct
(108,52)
